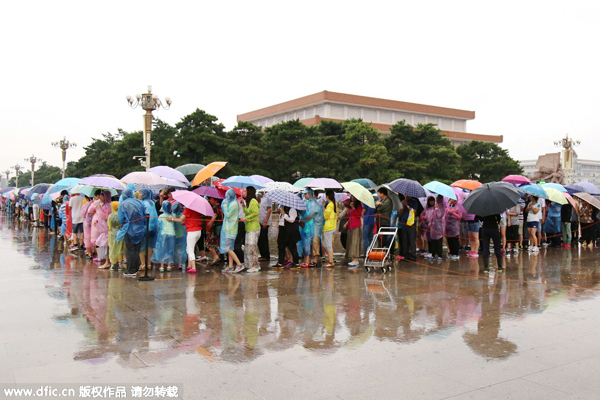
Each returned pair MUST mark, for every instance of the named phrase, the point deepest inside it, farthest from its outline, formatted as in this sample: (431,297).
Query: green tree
(421,153)
(486,162)
(199,137)
(245,150)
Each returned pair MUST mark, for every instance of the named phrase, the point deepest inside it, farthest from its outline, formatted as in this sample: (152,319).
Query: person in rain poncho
(307,230)
(180,255)
(252,227)
(454,213)
(164,253)
(552,226)
(229,231)
(132,216)
(100,229)
(150,244)
(115,249)
(433,224)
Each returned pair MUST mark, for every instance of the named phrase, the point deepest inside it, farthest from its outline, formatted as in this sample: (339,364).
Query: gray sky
(529,69)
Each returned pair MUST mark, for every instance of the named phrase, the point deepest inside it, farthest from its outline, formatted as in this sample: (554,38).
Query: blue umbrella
(441,188)
(365,182)
(67,182)
(556,186)
(589,187)
(575,188)
(242,182)
(534,190)
(407,187)
(287,199)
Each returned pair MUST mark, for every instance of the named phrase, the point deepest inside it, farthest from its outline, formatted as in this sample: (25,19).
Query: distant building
(380,113)
(585,170)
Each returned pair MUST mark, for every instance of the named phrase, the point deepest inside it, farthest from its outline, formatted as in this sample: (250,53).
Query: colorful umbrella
(194,202)
(219,184)
(103,181)
(39,188)
(555,196)
(365,182)
(324,183)
(208,171)
(407,187)
(556,186)
(492,198)
(67,182)
(262,179)
(242,182)
(169,173)
(516,179)
(441,188)
(300,183)
(288,187)
(190,169)
(466,184)
(360,192)
(534,190)
(287,199)
(588,198)
(210,192)
(90,190)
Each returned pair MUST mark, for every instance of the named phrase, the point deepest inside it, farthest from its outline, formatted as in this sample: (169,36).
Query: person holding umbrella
(251,211)
(534,216)
(354,226)
(330,216)
(229,231)
(490,229)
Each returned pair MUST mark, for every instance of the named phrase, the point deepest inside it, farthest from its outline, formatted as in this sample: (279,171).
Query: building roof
(334,97)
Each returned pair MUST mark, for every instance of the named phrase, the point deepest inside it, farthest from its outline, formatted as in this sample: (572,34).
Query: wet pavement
(423,331)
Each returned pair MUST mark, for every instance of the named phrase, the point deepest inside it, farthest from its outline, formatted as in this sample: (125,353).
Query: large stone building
(380,113)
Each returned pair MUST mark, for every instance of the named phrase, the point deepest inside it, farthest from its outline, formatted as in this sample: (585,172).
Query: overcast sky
(529,69)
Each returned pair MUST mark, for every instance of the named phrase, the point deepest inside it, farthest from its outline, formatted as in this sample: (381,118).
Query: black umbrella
(492,198)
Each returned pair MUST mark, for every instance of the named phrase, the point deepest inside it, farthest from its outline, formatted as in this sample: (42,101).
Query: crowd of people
(138,230)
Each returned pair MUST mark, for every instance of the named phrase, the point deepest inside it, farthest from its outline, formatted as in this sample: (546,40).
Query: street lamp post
(149,102)
(7,172)
(567,158)
(17,168)
(64,145)
(33,159)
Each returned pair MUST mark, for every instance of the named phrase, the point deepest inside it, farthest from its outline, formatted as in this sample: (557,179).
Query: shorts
(78,228)
(328,239)
(473,226)
(533,224)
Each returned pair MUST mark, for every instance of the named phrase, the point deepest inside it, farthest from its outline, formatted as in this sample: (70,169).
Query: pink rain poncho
(434,218)
(99,221)
(454,214)
(87,223)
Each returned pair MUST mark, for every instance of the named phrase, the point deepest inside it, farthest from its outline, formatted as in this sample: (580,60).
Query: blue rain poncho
(229,229)
(165,244)
(307,217)
(180,255)
(147,196)
(132,215)
(552,224)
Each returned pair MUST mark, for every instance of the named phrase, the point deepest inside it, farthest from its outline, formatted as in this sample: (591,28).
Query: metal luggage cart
(379,257)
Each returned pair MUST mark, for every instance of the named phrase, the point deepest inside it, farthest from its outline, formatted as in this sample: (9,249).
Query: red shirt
(193,220)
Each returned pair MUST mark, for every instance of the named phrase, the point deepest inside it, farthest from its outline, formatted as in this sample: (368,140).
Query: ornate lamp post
(17,169)
(7,172)
(64,145)
(566,158)
(33,159)
(149,102)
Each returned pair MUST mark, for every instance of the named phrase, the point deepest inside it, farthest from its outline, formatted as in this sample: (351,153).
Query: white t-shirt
(535,217)
(75,202)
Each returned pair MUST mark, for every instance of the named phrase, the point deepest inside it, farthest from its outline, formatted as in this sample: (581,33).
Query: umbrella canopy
(194,202)
(466,184)
(67,182)
(219,184)
(39,188)
(262,179)
(556,196)
(287,199)
(589,187)
(169,173)
(103,181)
(360,192)
(89,190)
(407,187)
(208,171)
(324,183)
(210,192)
(144,178)
(575,188)
(190,169)
(516,179)
(173,183)
(492,198)
(556,186)
(288,187)
(242,182)
(365,182)
(441,188)
(300,183)
(534,190)
(572,201)
(588,198)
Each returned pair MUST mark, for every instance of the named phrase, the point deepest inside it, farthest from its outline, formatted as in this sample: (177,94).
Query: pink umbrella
(144,177)
(572,201)
(210,192)
(262,179)
(194,202)
(169,173)
(516,179)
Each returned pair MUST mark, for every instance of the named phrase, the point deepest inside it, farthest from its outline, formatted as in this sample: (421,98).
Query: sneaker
(239,269)
(278,265)
(169,268)
(500,269)
(128,275)
(439,258)
(228,269)
(113,267)
(162,269)
(253,270)
(486,271)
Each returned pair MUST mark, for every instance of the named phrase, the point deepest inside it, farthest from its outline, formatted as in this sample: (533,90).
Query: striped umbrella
(407,187)
(287,199)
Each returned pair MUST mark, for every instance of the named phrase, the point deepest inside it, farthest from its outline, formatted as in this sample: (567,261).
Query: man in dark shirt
(490,230)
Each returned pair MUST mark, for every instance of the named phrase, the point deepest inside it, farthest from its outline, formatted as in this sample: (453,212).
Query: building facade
(380,113)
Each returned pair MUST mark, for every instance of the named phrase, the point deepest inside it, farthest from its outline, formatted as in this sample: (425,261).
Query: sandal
(312,265)
(329,265)
(191,271)
(142,267)
(304,265)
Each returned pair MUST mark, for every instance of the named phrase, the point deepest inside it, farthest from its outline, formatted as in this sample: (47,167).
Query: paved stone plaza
(423,331)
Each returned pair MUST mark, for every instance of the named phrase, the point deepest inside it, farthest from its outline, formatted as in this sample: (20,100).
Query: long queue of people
(138,230)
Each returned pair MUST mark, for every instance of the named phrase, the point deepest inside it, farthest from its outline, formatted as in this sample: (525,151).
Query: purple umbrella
(324,183)
(103,181)
(210,192)
(262,179)
(407,187)
(589,187)
(169,173)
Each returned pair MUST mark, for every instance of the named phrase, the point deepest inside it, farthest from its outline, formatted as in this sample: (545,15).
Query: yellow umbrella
(357,190)
(207,172)
(555,195)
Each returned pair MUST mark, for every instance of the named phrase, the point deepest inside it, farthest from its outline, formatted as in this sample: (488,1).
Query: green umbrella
(190,169)
(300,183)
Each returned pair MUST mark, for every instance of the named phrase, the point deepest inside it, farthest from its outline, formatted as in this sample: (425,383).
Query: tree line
(291,150)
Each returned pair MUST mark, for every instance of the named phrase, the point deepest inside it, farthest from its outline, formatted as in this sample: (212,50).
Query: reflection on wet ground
(425,330)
